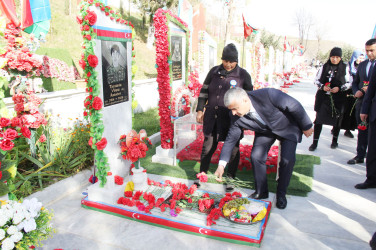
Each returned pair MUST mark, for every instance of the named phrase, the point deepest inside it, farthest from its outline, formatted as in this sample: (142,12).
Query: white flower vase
(139,178)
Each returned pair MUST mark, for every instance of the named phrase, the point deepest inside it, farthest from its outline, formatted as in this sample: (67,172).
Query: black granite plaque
(115,73)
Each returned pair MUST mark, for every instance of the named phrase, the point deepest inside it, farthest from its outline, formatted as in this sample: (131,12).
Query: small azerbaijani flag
(113,34)
(374,32)
(36,16)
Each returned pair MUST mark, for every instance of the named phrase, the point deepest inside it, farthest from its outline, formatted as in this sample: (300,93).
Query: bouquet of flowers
(23,224)
(134,146)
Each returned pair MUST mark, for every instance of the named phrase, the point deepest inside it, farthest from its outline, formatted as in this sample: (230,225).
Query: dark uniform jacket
(360,77)
(211,97)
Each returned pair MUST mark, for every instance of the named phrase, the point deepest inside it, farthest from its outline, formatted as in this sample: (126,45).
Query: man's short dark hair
(371,42)
(115,48)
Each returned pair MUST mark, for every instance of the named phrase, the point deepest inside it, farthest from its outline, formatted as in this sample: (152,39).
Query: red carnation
(101,144)
(85,113)
(16,122)
(88,74)
(97,103)
(109,173)
(86,28)
(6,145)
(128,194)
(4,122)
(91,17)
(118,180)
(42,138)
(92,60)
(88,37)
(10,134)
(97,4)
(26,132)
(327,84)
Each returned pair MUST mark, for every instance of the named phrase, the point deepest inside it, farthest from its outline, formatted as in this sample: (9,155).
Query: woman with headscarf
(349,119)
(212,112)
(332,81)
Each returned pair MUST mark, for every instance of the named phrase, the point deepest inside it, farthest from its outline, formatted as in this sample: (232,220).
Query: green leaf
(3,189)
(32,159)
(6,164)
(5,176)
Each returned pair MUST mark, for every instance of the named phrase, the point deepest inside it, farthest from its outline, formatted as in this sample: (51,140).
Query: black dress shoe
(365,185)
(355,160)
(312,147)
(349,134)
(334,145)
(281,202)
(259,196)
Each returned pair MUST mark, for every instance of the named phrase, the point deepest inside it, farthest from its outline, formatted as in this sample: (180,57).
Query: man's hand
(200,117)
(363,117)
(219,172)
(334,90)
(365,88)
(326,88)
(308,132)
(358,94)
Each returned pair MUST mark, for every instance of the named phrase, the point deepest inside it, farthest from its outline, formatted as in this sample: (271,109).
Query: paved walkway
(335,215)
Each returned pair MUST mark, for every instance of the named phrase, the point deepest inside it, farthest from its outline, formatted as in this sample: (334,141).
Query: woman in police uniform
(212,112)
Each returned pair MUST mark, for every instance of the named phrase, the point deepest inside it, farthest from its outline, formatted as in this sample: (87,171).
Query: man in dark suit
(359,87)
(368,112)
(273,115)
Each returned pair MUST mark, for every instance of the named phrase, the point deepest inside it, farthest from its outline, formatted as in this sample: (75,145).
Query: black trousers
(208,148)
(371,156)
(361,147)
(261,147)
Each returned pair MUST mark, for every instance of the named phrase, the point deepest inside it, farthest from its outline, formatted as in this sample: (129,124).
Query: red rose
(10,134)
(92,60)
(90,141)
(101,144)
(4,122)
(26,132)
(91,17)
(86,28)
(16,122)
(85,113)
(327,84)
(42,138)
(107,13)
(97,4)
(88,74)
(97,103)
(6,145)
(88,37)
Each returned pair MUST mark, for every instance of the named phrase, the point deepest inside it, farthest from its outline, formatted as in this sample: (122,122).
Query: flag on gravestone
(248,29)
(36,16)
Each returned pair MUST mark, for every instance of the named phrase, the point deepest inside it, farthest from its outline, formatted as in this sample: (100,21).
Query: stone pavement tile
(68,241)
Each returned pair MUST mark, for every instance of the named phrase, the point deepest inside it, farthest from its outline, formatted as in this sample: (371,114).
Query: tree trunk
(229,22)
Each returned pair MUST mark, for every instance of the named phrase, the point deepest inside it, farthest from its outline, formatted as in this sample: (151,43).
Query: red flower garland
(163,78)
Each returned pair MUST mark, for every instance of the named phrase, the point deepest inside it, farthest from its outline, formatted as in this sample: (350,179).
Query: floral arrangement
(163,60)
(19,58)
(24,224)
(183,197)
(362,126)
(26,106)
(181,93)
(134,146)
(334,111)
(93,103)
(55,68)
(193,152)
(194,84)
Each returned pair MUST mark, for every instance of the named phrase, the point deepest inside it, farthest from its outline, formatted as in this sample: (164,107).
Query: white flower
(2,234)
(7,244)
(16,237)
(33,206)
(21,226)
(3,220)
(18,217)
(29,225)
(12,230)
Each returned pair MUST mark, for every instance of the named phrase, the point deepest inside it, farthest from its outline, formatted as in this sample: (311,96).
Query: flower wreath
(164,79)
(180,93)
(93,103)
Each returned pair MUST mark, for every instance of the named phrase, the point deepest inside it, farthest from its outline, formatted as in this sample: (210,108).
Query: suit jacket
(283,115)
(369,102)
(360,77)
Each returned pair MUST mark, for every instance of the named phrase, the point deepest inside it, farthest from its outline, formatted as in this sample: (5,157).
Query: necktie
(371,68)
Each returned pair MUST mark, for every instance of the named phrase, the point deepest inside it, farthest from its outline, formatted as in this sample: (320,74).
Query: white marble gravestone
(279,62)
(208,49)
(177,61)
(115,79)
